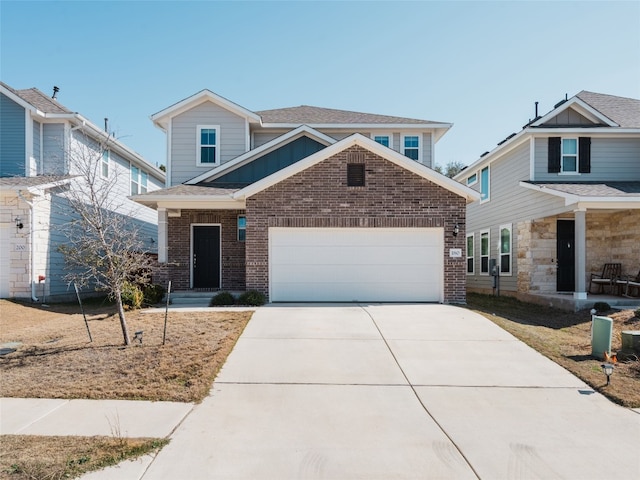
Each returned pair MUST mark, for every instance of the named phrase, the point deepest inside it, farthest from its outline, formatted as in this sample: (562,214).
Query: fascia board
(273,144)
(163,116)
(196,202)
(384,152)
(583,108)
(601,131)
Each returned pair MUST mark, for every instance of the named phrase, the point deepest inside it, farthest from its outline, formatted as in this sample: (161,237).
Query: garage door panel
(356,264)
(364,274)
(389,255)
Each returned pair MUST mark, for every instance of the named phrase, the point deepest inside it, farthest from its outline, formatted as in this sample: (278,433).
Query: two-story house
(307,204)
(559,200)
(42,147)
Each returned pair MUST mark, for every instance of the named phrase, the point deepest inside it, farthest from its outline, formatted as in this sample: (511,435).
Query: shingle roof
(306,114)
(191,190)
(594,189)
(26,182)
(39,100)
(624,111)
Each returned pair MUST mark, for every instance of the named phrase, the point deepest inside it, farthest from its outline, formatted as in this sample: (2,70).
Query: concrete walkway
(383,392)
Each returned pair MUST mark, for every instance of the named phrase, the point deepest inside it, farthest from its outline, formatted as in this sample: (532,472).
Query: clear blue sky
(480,65)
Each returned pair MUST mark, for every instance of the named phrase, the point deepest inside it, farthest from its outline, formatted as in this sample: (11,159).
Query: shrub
(253,298)
(222,299)
(601,307)
(153,293)
(637,312)
(132,295)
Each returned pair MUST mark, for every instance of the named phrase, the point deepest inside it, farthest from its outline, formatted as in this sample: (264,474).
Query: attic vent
(355,174)
(355,157)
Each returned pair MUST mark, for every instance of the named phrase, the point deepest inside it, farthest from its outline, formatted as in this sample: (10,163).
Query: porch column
(162,235)
(580,254)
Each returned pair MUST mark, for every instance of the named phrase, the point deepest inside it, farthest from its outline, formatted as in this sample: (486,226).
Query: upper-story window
(411,146)
(208,149)
(472,180)
(569,155)
(383,140)
(105,163)
(485,184)
(139,181)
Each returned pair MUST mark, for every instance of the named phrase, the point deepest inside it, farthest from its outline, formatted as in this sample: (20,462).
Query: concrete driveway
(395,392)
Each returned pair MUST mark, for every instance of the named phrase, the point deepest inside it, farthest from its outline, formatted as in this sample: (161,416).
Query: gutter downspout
(32,257)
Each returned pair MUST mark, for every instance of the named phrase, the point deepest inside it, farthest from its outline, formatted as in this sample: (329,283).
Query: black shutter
(554,155)
(584,152)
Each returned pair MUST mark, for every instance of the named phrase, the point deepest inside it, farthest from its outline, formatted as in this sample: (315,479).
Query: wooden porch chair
(611,273)
(630,284)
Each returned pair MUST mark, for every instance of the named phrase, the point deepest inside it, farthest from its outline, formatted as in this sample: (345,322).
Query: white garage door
(356,264)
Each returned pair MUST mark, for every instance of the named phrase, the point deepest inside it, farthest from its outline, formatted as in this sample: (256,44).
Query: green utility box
(601,330)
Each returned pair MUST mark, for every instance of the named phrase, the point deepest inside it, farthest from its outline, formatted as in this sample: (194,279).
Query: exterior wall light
(607,369)
(19,224)
(456,230)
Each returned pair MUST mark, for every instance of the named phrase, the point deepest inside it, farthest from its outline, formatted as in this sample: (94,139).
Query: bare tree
(451,170)
(104,248)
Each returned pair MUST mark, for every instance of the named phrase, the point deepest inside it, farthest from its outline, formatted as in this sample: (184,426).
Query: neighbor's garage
(356,264)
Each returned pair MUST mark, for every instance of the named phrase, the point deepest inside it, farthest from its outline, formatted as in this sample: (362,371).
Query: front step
(191,298)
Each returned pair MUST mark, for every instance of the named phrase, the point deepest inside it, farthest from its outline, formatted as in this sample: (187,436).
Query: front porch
(558,255)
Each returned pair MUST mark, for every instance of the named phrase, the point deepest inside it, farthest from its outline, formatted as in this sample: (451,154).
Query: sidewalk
(38,416)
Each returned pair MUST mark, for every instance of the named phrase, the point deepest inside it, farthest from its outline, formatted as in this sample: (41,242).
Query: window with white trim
(470,252)
(383,140)
(505,249)
(242,228)
(139,181)
(411,146)
(569,155)
(485,184)
(208,151)
(484,252)
(105,163)
(472,180)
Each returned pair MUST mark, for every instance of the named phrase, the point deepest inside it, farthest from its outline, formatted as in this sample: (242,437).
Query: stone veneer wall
(536,255)
(178,266)
(319,197)
(611,237)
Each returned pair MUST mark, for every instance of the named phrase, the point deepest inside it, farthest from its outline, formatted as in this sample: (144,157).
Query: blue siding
(12,138)
(270,163)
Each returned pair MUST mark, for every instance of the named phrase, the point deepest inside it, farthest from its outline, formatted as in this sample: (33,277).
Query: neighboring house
(38,136)
(307,204)
(559,199)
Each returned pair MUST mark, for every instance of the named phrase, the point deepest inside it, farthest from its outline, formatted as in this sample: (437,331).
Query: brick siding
(178,267)
(319,197)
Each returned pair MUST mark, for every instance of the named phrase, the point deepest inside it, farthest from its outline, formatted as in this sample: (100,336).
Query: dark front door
(566,276)
(206,256)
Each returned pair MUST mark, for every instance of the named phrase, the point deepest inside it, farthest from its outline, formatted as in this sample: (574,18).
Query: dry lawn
(565,338)
(24,457)
(55,359)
